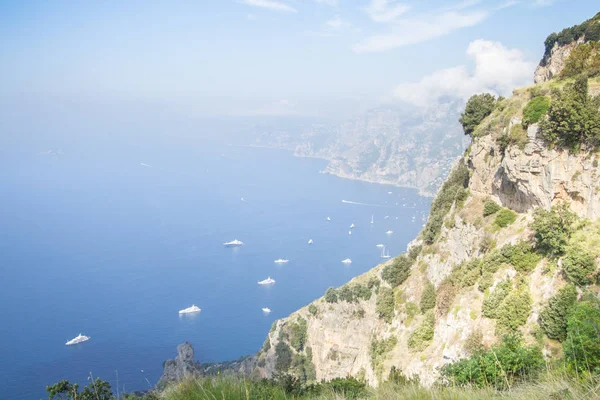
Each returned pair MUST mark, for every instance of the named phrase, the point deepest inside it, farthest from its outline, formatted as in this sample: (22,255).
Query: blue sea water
(92,241)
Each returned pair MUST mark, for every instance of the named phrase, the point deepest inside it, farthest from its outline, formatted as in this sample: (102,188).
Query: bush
(553,317)
(521,256)
(414,252)
(491,302)
(486,281)
(298,334)
(573,117)
(385,304)
(284,356)
(553,229)
(451,190)
(490,207)
(379,348)
(398,271)
(579,265)
(420,338)
(501,366)
(373,283)
(96,390)
(478,107)
(445,296)
(535,110)
(582,345)
(427,297)
(331,295)
(514,310)
(585,58)
(313,310)
(505,217)
(350,388)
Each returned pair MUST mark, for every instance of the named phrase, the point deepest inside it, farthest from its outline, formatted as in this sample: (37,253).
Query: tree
(553,229)
(553,317)
(582,345)
(96,390)
(398,271)
(427,297)
(579,265)
(478,107)
(385,304)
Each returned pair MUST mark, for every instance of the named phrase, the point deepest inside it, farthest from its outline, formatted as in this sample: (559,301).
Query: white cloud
(416,30)
(497,70)
(336,23)
(269,4)
(327,2)
(385,10)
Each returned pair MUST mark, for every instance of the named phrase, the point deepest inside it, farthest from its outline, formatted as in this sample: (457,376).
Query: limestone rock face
(182,366)
(552,66)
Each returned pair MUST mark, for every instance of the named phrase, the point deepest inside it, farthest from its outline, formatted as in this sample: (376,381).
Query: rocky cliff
(477,243)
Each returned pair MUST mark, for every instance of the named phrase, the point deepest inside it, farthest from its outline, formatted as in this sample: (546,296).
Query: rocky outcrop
(181,367)
(554,64)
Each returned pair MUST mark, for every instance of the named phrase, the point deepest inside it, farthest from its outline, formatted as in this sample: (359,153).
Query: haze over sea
(93,241)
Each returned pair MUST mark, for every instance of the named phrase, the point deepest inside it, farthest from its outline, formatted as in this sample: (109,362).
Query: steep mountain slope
(478,270)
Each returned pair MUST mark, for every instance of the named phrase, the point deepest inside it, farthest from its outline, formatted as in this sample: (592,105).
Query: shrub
(331,295)
(427,297)
(590,29)
(349,388)
(492,302)
(501,366)
(420,338)
(582,345)
(361,292)
(573,116)
(398,271)
(96,390)
(284,356)
(451,189)
(298,334)
(346,294)
(521,256)
(313,310)
(385,304)
(514,310)
(579,265)
(585,58)
(490,207)
(553,229)
(553,317)
(504,218)
(474,342)
(535,110)
(414,252)
(379,348)
(486,281)
(373,283)
(478,107)
(445,296)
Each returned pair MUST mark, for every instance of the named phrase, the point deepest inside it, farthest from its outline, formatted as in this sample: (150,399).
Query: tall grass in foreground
(551,386)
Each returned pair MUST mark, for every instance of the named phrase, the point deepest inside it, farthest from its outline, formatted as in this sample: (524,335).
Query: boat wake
(356,203)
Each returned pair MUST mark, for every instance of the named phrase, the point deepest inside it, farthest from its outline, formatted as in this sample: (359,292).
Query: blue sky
(273,57)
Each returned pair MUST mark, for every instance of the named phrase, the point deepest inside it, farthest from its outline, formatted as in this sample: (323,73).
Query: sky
(271,57)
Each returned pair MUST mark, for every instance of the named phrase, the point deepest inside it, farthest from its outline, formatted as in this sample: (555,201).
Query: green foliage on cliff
(553,229)
(582,345)
(502,366)
(446,293)
(297,332)
(379,349)
(584,59)
(284,356)
(573,117)
(490,207)
(385,304)
(478,107)
(553,317)
(505,217)
(589,28)
(579,265)
(452,190)
(521,256)
(492,301)
(535,110)
(96,390)
(514,310)
(398,271)
(427,297)
(420,338)
(331,295)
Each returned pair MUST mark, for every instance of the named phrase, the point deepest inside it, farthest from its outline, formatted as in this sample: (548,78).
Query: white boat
(385,254)
(267,281)
(310,241)
(233,243)
(379,245)
(349,232)
(78,339)
(352,226)
(389,232)
(371,219)
(328,219)
(193,309)
(347,261)
(386,217)
(266,310)
(281,261)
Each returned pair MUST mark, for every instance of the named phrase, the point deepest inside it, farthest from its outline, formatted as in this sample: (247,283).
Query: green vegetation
(502,366)
(379,348)
(573,117)
(474,342)
(313,310)
(284,356)
(584,59)
(96,390)
(490,207)
(590,29)
(331,295)
(553,317)
(514,310)
(297,332)
(302,366)
(414,252)
(385,304)
(427,297)
(582,345)
(521,255)
(478,107)
(553,229)
(535,110)
(398,271)
(492,301)
(452,190)
(505,217)
(446,293)
(420,338)
(579,265)
(517,136)
(486,281)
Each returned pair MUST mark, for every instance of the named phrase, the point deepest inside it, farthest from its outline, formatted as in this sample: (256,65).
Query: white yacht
(193,309)
(310,241)
(328,219)
(233,243)
(281,261)
(385,254)
(267,281)
(266,310)
(78,339)
(389,232)
(372,219)
(386,217)
(349,232)
(352,226)
(379,245)
(347,261)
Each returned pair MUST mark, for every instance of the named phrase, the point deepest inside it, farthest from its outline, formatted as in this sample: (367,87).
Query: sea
(112,242)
